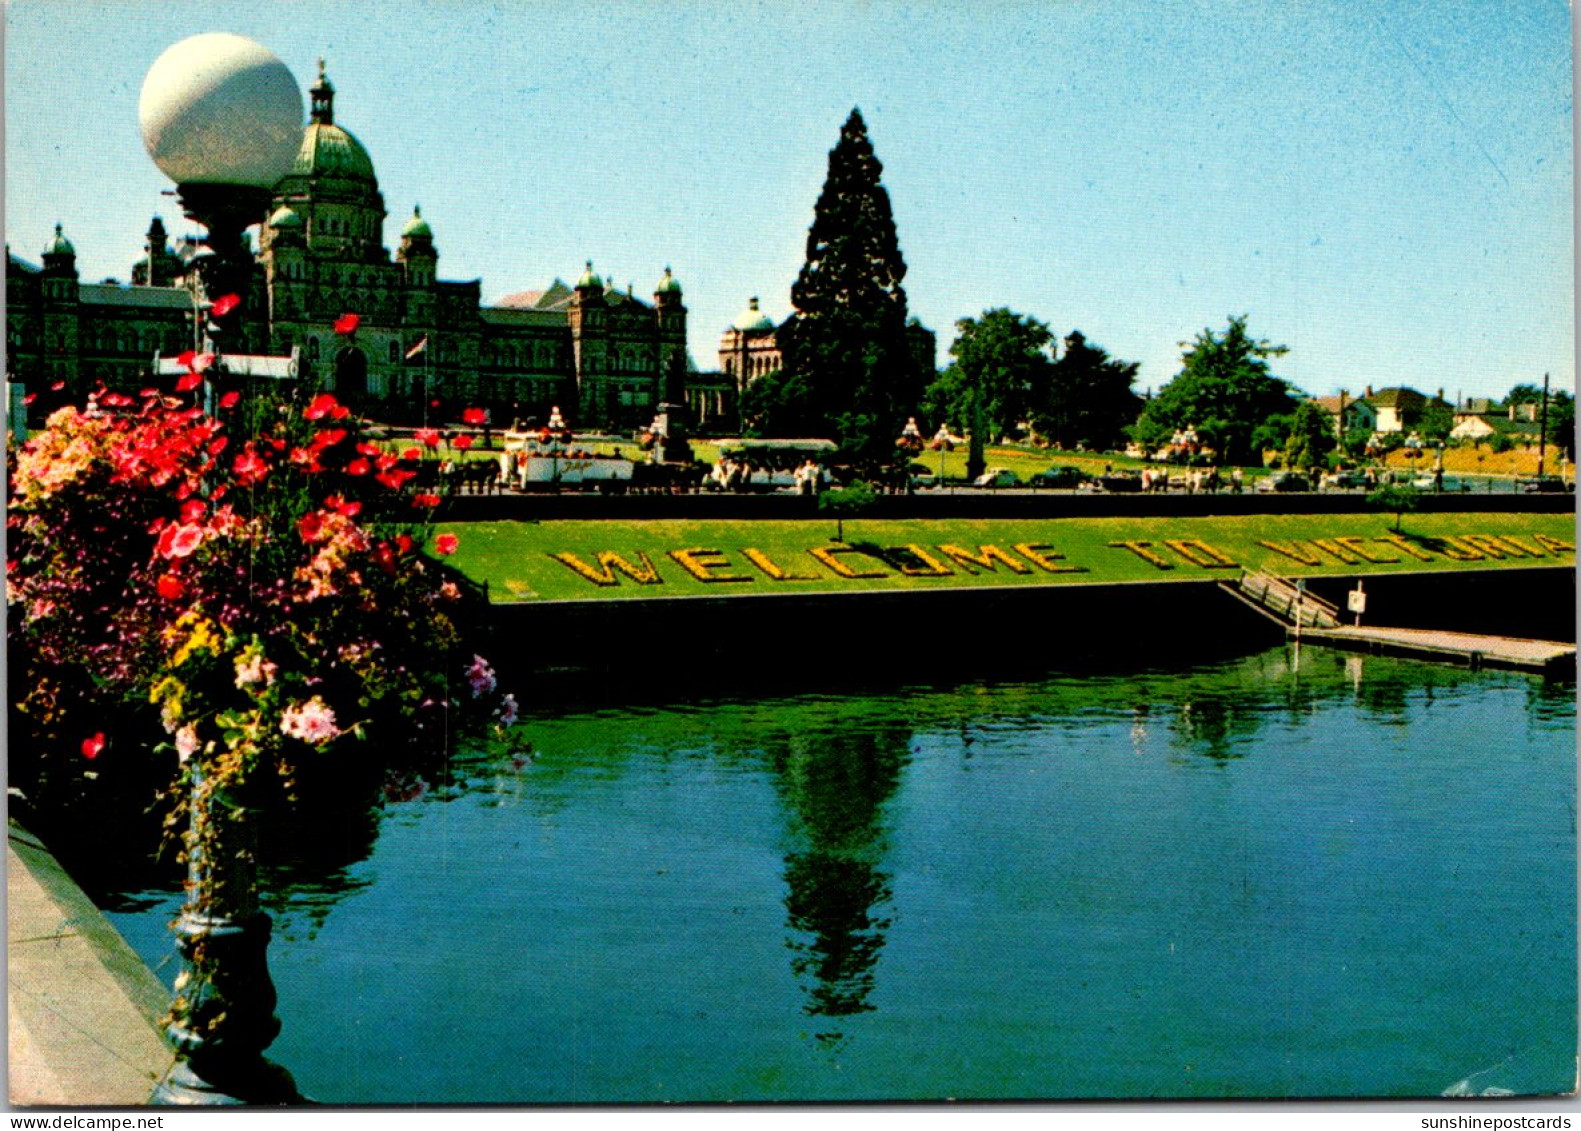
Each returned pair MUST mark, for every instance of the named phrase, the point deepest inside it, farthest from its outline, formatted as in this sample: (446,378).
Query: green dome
(60,245)
(589,279)
(284,218)
(330,151)
(752,319)
(417,226)
(669,285)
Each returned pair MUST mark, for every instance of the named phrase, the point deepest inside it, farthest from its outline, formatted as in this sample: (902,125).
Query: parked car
(1283,481)
(1122,482)
(1344,480)
(923,476)
(1542,485)
(1063,478)
(997,477)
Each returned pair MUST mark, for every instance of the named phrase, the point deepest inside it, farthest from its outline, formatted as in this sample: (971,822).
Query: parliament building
(605,356)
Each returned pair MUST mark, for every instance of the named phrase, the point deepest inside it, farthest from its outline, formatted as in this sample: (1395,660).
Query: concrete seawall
(988,630)
(82,1009)
(967,504)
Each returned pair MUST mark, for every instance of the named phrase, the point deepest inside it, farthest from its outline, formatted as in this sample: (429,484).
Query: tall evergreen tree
(845,349)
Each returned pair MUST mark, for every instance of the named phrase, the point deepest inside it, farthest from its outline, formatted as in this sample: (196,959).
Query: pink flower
(313,722)
(508,710)
(481,677)
(446,544)
(186,743)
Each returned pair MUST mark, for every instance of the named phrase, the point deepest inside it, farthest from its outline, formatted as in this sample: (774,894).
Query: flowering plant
(253,583)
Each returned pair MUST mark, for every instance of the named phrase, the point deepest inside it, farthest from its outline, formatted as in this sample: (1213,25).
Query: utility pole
(1542,431)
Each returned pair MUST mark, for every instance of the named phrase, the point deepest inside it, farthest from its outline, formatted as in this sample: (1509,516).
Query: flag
(417,349)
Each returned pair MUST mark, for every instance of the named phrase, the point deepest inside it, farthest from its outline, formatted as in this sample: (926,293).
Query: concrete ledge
(81,1008)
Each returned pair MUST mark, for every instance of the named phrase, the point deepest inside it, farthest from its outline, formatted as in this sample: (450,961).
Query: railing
(1288,601)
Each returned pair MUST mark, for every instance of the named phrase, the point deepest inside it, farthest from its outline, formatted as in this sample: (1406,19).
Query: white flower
(508,710)
(186,742)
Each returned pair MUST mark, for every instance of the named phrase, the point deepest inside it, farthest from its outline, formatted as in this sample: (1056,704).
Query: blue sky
(1386,188)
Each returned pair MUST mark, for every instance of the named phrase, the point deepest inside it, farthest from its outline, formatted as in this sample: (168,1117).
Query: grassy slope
(514,558)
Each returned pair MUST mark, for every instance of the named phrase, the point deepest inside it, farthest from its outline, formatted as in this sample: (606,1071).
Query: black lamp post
(222,117)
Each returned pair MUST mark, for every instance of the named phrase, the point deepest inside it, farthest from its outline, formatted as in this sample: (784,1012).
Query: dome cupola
(60,245)
(285,219)
(589,280)
(417,227)
(669,285)
(752,320)
(329,150)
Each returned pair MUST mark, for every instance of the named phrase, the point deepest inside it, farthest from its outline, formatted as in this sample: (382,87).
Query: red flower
(404,543)
(323,405)
(311,526)
(57,386)
(250,468)
(358,467)
(202,362)
(474,416)
(328,438)
(192,510)
(428,436)
(30,398)
(368,449)
(412,453)
(340,506)
(171,587)
(395,479)
(446,544)
(217,445)
(229,399)
(92,746)
(462,442)
(225,304)
(184,359)
(179,541)
(347,324)
(423,499)
(189,382)
(385,557)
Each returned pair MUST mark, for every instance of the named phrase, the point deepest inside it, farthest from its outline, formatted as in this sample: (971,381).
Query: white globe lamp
(221,109)
(222,117)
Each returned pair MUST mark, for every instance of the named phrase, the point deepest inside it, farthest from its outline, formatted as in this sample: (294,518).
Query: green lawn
(672,558)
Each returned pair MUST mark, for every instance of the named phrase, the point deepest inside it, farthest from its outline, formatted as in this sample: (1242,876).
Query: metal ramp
(1312,620)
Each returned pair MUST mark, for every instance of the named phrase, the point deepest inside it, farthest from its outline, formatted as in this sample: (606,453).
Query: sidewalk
(81,1007)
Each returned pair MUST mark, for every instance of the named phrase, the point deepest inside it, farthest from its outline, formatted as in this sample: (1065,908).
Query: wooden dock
(1312,620)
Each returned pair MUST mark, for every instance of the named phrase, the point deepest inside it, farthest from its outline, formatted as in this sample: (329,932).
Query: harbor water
(1289,873)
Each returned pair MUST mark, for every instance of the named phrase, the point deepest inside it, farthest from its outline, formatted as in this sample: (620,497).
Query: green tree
(1561,414)
(1310,438)
(1088,398)
(1001,363)
(849,369)
(1225,390)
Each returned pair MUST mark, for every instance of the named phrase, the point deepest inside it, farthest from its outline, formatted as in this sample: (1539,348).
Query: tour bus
(772,463)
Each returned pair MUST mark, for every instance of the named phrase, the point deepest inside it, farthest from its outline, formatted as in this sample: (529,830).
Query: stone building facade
(605,356)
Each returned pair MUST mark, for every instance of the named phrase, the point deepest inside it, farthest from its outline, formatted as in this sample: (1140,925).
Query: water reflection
(834,785)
